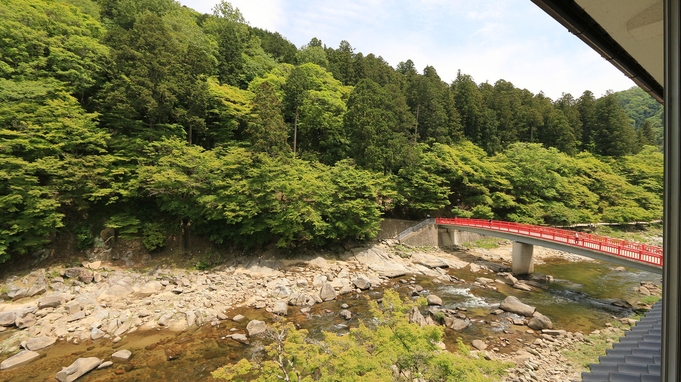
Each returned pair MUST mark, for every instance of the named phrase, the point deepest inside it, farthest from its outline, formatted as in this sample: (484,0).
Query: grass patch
(649,300)
(486,243)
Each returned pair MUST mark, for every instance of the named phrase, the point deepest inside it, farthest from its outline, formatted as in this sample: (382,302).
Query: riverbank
(106,302)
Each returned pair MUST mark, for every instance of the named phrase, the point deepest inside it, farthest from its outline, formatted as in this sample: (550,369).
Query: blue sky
(488,39)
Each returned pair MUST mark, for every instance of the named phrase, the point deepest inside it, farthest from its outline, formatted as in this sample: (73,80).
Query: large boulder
(434,300)
(456,324)
(539,322)
(121,355)
(8,318)
(150,288)
(256,327)
(280,308)
(19,359)
(362,282)
(506,278)
(382,262)
(51,301)
(26,321)
(513,305)
(78,369)
(301,299)
(82,274)
(327,293)
(416,317)
(39,343)
(32,284)
(116,292)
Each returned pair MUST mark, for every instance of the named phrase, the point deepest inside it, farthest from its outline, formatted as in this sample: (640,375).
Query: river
(578,299)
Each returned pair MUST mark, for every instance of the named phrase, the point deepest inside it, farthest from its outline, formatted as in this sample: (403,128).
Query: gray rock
(456,324)
(104,365)
(513,305)
(77,369)
(416,317)
(116,292)
(256,327)
(76,316)
(32,284)
(121,355)
(345,314)
(222,316)
(191,318)
(362,282)
(280,308)
(319,280)
(8,318)
(480,345)
(428,260)
(346,289)
(554,332)
(96,334)
(19,359)
(327,293)
(16,292)
(165,319)
(82,274)
(238,318)
(540,322)
(51,301)
(239,337)
(38,343)
(25,322)
(74,307)
(122,329)
(434,300)
(150,288)
(143,313)
(522,286)
(281,291)
(506,278)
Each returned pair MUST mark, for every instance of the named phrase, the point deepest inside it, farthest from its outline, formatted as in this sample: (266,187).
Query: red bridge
(623,252)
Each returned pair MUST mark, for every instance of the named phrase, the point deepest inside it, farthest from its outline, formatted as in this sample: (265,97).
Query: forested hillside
(152,119)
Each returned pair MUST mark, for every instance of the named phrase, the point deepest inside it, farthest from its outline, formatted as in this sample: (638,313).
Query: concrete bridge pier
(523,258)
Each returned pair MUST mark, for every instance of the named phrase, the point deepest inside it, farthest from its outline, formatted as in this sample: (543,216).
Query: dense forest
(149,118)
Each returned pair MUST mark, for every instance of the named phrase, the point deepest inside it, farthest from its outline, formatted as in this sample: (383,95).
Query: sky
(490,40)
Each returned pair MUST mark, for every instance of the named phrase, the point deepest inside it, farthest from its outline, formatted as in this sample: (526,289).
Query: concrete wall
(392,227)
(425,237)
(449,236)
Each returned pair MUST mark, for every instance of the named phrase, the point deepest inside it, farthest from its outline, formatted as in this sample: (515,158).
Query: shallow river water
(579,299)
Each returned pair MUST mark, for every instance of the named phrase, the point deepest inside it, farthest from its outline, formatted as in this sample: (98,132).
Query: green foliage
(143,115)
(84,238)
(153,236)
(126,225)
(368,353)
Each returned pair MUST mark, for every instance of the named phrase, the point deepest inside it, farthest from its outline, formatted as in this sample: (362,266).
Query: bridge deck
(623,252)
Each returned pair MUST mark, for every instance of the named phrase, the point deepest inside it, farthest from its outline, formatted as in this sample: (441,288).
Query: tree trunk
(295,132)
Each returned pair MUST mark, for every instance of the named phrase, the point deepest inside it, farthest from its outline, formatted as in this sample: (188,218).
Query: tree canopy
(152,119)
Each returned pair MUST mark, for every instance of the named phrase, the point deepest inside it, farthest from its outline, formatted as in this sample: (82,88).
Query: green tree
(267,130)
(586,105)
(378,125)
(368,353)
(612,133)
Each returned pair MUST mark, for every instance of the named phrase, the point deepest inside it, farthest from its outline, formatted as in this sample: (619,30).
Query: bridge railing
(645,253)
(415,228)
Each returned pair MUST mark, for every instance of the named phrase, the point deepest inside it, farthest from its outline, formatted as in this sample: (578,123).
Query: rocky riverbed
(108,300)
